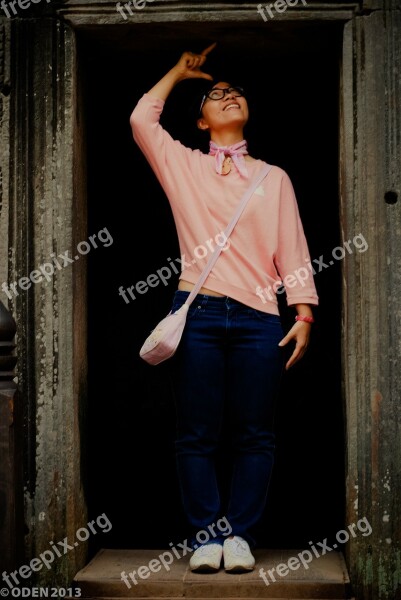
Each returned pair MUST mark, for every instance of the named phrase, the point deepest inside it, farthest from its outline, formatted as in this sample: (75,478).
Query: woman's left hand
(300,332)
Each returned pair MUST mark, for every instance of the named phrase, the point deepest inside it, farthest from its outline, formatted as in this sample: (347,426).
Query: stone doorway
(43,210)
(295,124)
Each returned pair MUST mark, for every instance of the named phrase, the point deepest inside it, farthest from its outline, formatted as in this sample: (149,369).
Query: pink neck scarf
(236,151)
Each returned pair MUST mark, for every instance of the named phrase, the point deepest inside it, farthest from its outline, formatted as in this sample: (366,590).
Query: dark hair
(201,87)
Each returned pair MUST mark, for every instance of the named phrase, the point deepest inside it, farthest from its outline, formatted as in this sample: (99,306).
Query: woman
(231,354)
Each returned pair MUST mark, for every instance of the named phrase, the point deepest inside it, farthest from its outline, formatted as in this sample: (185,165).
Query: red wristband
(304,318)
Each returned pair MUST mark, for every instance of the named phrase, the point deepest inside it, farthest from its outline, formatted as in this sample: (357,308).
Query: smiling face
(228,113)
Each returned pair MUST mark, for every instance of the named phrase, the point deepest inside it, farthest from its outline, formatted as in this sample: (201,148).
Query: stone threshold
(324,578)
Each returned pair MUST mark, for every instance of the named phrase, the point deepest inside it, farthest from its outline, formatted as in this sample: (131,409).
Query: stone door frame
(43,210)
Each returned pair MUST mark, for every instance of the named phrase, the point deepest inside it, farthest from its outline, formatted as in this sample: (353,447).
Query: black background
(291,74)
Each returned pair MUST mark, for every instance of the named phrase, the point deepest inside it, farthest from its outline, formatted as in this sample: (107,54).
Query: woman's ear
(201,123)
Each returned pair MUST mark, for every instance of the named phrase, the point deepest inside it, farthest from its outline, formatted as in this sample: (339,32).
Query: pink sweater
(268,244)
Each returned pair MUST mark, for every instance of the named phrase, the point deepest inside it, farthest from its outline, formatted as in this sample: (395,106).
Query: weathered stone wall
(46,218)
(371,175)
(5,58)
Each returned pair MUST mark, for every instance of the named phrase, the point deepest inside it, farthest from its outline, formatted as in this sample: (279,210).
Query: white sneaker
(207,558)
(237,555)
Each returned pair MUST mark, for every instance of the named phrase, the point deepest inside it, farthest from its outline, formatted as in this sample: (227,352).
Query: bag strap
(213,258)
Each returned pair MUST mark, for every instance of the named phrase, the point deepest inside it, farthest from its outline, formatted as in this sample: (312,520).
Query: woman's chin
(236,119)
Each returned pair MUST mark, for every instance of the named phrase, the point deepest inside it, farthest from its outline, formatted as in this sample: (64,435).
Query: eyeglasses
(219,93)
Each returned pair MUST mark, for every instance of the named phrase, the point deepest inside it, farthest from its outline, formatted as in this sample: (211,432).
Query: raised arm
(188,67)
(163,153)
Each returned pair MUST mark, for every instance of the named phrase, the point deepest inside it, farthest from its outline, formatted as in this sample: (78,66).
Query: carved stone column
(371,187)
(48,220)
(11,453)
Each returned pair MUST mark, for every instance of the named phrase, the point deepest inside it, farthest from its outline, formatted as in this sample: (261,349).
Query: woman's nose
(228,95)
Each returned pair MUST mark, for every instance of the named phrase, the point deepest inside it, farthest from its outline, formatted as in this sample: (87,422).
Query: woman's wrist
(176,74)
(304,313)
(305,318)
(165,86)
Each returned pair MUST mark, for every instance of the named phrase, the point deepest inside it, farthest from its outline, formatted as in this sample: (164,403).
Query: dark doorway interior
(291,71)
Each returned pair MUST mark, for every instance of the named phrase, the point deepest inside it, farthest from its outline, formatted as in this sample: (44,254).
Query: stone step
(324,578)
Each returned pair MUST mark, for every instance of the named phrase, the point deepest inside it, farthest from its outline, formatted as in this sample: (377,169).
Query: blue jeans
(228,361)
